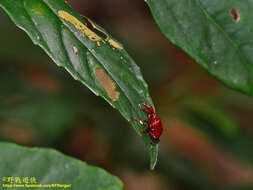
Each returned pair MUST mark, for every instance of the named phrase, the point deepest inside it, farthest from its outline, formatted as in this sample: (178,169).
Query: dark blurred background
(208,136)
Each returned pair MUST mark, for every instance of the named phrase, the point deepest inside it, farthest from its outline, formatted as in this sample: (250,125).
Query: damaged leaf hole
(96,30)
(101,33)
(235,14)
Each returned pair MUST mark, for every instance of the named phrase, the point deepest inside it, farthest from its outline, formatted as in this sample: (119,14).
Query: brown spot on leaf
(75,50)
(106,82)
(235,14)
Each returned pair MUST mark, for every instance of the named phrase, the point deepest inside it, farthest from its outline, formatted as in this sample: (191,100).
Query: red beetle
(153,124)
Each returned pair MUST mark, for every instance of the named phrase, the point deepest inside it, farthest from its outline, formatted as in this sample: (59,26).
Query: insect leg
(147,108)
(141,121)
(144,130)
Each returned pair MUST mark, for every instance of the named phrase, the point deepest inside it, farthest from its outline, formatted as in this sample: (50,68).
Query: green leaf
(88,53)
(217,34)
(48,166)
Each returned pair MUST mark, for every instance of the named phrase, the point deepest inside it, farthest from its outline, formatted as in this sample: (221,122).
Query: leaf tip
(153,156)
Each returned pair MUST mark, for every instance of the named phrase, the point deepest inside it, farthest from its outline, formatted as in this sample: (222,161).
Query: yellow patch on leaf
(79,25)
(115,44)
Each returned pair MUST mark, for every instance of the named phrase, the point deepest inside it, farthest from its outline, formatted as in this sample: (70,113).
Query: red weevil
(153,124)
